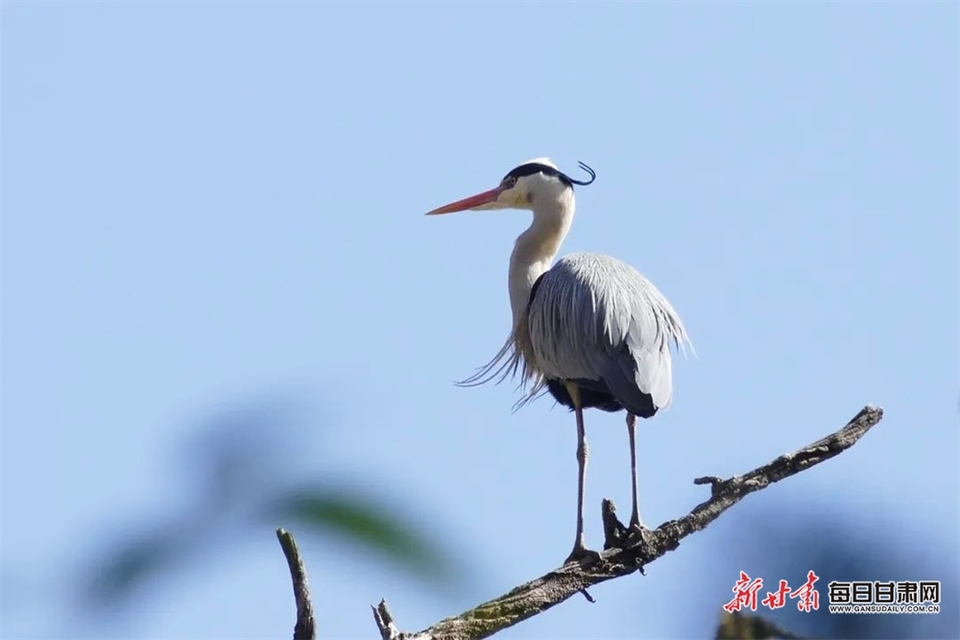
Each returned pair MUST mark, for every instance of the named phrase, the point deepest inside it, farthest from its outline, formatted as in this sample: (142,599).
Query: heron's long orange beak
(468,203)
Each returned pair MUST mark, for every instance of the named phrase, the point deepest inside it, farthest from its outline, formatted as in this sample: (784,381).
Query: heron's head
(535,181)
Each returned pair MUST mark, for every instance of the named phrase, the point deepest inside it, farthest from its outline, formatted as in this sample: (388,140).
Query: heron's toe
(581,553)
(637,534)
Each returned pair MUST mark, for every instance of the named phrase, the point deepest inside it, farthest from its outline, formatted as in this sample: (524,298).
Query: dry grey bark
(305,628)
(619,559)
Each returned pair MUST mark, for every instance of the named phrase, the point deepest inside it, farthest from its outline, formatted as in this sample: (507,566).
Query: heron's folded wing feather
(595,317)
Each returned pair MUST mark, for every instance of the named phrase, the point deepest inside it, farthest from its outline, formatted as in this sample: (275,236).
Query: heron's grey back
(595,317)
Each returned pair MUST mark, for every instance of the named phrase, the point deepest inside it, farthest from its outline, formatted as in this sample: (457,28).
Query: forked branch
(621,559)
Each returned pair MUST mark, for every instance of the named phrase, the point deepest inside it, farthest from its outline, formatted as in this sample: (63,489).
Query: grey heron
(590,329)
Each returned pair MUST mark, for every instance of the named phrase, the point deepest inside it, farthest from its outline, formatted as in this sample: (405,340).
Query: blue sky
(204,201)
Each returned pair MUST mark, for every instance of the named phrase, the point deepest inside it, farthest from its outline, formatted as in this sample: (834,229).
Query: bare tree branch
(384,619)
(620,557)
(305,629)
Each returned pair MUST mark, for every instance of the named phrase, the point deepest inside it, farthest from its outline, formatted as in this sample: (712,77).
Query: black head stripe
(532,168)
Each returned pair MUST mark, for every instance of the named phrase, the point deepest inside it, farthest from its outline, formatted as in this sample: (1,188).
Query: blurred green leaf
(132,564)
(366,522)
(240,467)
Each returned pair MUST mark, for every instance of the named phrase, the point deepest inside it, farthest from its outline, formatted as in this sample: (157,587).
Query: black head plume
(531,168)
(583,183)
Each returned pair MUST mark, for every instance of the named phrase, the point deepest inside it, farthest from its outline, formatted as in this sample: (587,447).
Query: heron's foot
(581,553)
(637,534)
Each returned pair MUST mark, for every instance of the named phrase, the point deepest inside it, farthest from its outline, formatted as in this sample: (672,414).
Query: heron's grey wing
(638,372)
(596,318)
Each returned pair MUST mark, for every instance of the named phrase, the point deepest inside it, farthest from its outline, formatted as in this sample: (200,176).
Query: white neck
(536,247)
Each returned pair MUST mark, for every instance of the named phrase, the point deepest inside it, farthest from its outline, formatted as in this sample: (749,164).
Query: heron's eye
(509,181)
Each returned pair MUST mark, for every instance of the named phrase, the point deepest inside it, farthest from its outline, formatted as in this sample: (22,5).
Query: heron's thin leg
(632,433)
(582,455)
(579,548)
